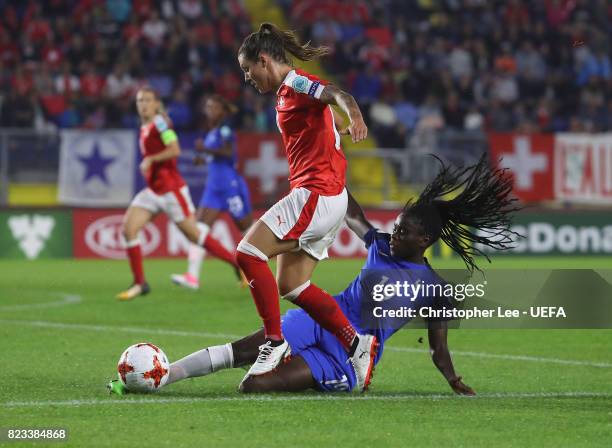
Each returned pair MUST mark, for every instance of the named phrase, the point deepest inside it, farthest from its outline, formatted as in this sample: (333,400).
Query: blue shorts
(326,357)
(231,195)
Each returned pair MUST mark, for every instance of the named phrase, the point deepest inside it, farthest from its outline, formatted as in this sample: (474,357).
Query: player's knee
(246,251)
(193,237)
(289,291)
(128,231)
(284,287)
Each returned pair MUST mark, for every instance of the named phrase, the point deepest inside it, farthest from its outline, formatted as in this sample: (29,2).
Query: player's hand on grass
(145,166)
(460,387)
(357,130)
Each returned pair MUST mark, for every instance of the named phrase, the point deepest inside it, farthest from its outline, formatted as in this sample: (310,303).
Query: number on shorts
(338,385)
(235,205)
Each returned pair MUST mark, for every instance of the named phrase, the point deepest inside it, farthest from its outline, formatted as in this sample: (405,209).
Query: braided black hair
(481,213)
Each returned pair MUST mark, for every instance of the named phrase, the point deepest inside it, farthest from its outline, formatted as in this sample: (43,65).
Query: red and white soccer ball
(143,368)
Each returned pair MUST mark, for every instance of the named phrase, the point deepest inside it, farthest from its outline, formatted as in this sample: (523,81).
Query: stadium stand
(471,64)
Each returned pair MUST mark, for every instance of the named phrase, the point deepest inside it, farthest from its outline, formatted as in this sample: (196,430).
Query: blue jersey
(322,351)
(381,268)
(221,167)
(226,190)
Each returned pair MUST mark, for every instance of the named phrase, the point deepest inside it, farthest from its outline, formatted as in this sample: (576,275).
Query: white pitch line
(321,397)
(150,331)
(571,362)
(106,328)
(66,299)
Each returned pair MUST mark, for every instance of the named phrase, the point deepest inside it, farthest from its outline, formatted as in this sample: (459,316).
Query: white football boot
(268,359)
(363,359)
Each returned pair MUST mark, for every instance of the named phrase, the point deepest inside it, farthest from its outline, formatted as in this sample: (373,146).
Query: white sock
(195,257)
(203,362)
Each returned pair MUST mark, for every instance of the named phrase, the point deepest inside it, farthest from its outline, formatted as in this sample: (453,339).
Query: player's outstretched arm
(440,356)
(355,218)
(357,127)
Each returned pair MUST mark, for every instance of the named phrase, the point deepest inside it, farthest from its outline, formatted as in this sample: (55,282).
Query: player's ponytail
(481,213)
(277,43)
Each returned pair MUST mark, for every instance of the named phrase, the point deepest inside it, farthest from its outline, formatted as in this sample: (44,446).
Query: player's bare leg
(294,270)
(196,253)
(200,235)
(134,220)
(242,352)
(294,375)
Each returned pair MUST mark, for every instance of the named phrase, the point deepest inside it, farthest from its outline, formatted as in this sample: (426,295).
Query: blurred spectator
(474,121)
(406,112)
(190,9)
(66,82)
(119,9)
(154,29)
(596,65)
(504,87)
(453,113)
(18,110)
(179,110)
(460,62)
(466,64)
(119,84)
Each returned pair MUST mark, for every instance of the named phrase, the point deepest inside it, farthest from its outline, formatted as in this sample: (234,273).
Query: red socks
(216,248)
(264,291)
(324,309)
(135,256)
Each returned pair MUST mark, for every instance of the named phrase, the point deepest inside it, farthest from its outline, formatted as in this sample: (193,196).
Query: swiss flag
(263,163)
(529,158)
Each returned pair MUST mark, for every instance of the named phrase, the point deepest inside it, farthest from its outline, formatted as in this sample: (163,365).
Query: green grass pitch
(62,331)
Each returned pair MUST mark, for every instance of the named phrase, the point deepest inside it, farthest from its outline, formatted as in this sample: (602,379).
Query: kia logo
(104,237)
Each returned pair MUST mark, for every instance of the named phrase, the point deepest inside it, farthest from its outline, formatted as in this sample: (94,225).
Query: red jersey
(163,176)
(312,144)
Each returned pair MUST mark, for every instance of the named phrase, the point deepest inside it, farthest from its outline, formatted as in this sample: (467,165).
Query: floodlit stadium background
(529,83)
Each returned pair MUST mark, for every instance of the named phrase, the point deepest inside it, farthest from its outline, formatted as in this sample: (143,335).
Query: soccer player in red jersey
(166,192)
(299,228)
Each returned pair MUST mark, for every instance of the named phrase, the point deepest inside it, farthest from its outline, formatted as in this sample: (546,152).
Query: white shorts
(176,204)
(311,219)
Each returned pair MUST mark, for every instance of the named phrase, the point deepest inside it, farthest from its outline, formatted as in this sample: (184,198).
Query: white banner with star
(97,168)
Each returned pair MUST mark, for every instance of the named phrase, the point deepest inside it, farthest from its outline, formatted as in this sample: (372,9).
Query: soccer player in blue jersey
(226,190)
(480,213)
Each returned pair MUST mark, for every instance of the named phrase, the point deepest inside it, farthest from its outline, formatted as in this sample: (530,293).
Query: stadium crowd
(508,65)
(424,64)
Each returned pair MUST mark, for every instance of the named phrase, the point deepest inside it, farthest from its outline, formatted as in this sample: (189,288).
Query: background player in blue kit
(480,213)
(226,190)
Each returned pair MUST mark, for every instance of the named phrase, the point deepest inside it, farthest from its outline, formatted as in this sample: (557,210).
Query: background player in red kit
(166,192)
(300,227)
